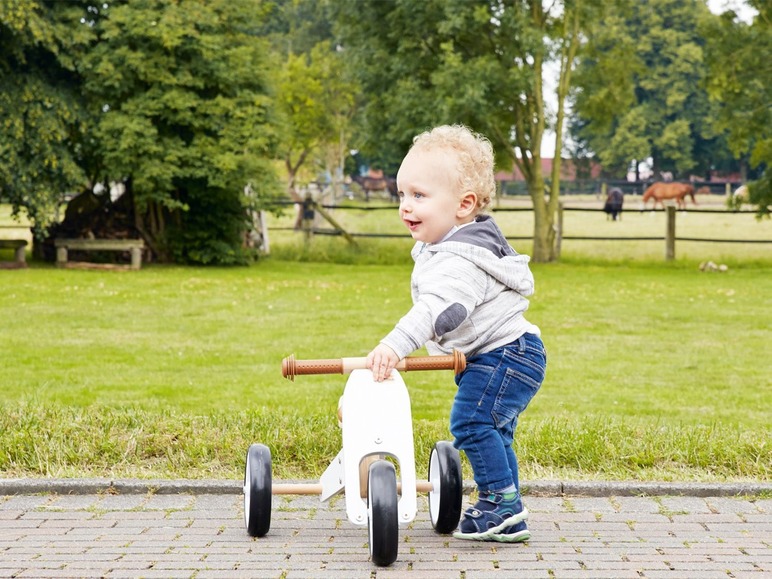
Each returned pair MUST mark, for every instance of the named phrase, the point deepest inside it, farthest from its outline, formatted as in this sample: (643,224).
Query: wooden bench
(18,245)
(135,246)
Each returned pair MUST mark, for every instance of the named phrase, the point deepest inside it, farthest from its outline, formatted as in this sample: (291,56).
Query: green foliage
(181,100)
(639,89)
(211,231)
(315,93)
(738,57)
(482,64)
(172,99)
(42,120)
(183,89)
(421,64)
(316,102)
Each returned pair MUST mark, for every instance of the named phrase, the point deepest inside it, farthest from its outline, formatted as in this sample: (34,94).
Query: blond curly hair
(475,158)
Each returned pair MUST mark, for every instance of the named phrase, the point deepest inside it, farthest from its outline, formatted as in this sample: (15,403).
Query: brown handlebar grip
(455,362)
(290,367)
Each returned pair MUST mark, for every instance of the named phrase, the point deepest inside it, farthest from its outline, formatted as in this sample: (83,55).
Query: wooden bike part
(290,367)
(421,486)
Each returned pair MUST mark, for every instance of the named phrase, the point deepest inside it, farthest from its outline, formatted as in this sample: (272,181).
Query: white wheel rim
(369,516)
(247,487)
(434,479)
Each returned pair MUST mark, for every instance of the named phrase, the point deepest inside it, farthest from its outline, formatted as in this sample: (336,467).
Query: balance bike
(377,434)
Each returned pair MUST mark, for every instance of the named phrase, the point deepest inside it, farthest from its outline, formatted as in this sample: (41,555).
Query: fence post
(265,245)
(308,216)
(670,233)
(559,231)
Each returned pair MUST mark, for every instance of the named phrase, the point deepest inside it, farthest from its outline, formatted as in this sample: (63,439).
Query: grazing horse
(613,205)
(377,185)
(663,191)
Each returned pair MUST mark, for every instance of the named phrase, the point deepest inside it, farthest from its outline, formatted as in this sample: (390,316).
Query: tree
(639,90)
(316,103)
(181,90)
(738,55)
(427,62)
(315,94)
(43,144)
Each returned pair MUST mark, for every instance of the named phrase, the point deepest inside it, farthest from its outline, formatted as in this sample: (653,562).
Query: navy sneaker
(494,518)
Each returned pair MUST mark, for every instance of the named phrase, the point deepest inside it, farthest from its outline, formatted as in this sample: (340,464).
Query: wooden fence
(669,236)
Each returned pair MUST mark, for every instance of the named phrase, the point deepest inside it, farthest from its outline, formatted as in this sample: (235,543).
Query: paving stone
(121,502)
(24,502)
(187,535)
(73,502)
(168,502)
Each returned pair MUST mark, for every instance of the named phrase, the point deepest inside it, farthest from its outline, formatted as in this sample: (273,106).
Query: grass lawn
(173,371)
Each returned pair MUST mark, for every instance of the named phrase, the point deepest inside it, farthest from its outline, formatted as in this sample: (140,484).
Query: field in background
(379,217)
(634,223)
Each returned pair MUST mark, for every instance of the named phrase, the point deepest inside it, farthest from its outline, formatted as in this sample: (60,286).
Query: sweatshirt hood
(483,243)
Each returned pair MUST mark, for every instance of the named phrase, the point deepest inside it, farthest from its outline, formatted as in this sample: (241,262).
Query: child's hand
(382,360)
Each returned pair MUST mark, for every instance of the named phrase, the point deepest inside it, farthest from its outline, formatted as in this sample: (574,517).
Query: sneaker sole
(487,535)
(519,537)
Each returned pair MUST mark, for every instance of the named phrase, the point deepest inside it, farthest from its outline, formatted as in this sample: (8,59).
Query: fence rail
(669,236)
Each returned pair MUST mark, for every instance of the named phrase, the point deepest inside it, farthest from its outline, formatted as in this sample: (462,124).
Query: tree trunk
(544,223)
(543,215)
(292,171)
(543,219)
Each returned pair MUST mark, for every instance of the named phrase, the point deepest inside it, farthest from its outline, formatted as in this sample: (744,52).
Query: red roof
(567,171)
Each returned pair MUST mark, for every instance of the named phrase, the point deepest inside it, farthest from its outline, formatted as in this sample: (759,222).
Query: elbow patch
(450,319)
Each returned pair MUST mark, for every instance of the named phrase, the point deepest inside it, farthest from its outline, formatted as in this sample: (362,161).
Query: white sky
(744,12)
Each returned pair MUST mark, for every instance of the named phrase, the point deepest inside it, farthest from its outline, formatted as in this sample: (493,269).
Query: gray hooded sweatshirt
(468,294)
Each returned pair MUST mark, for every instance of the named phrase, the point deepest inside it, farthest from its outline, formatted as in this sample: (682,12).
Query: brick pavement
(201,535)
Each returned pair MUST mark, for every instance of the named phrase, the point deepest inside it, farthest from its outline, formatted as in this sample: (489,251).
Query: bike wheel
(445,476)
(258,490)
(382,519)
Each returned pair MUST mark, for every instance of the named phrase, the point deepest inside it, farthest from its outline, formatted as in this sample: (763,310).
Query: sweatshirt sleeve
(445,291)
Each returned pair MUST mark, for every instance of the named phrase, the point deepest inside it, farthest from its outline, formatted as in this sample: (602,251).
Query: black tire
(445,475)
(258,490)
(382,520)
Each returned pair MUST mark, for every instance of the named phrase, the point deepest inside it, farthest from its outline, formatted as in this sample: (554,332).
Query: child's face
(429,203)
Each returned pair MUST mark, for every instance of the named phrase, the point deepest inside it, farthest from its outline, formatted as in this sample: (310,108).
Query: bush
(211,231)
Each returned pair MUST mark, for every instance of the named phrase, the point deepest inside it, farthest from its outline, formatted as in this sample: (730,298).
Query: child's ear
(467,205)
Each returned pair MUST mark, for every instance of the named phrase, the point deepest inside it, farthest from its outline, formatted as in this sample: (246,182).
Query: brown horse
(664,191)
(378,185)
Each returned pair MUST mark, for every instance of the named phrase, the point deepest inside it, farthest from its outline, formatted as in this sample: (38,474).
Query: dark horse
(613,205)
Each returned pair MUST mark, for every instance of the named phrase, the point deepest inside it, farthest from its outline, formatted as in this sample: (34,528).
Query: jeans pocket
(517,390)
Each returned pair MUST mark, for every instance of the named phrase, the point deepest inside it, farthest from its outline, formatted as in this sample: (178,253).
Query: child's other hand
(382,360)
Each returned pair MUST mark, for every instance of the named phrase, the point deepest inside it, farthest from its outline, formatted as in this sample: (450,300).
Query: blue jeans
(492,392)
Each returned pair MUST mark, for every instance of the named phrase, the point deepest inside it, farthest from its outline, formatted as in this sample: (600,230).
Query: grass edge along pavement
(67,442)
(85,486)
